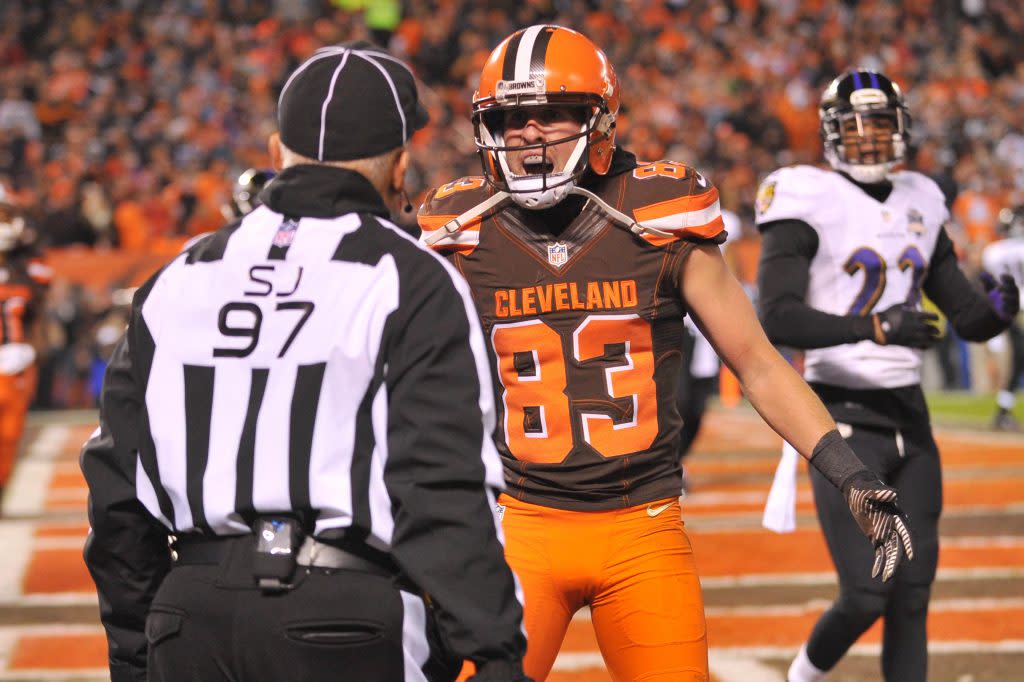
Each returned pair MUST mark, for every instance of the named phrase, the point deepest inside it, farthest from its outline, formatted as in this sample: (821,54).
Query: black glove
(1003,296)
(903,325)
(873,505)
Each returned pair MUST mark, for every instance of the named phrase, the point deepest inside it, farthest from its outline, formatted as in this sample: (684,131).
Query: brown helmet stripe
(540,51)
(508,66)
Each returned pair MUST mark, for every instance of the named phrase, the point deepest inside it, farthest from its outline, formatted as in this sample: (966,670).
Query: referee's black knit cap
(349,101)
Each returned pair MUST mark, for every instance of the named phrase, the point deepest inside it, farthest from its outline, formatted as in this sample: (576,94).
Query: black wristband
(863,327)
(836,460)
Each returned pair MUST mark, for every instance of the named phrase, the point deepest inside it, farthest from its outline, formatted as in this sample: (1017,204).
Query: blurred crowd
(124,123)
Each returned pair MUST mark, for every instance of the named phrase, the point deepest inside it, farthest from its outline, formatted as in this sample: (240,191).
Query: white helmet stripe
(524,55)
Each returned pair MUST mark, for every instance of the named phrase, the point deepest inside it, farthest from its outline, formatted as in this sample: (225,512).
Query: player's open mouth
(535,164)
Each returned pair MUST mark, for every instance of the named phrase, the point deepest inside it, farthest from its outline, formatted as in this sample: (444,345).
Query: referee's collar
(315,191)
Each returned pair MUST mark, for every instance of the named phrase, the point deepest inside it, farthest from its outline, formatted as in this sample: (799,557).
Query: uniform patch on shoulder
(765,195)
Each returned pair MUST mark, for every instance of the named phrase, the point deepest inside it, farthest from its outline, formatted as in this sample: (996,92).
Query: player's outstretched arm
(723,312)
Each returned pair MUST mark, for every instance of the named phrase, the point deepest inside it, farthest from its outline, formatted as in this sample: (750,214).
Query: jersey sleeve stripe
(678,206)
(704,222)
(465,240)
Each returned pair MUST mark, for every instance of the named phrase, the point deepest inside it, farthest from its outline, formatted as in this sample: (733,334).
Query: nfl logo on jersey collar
(285,233)
(558,253)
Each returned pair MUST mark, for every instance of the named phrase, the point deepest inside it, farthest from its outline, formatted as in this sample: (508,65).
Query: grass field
(959,408)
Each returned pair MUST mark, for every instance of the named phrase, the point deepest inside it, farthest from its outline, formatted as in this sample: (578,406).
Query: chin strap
(457,224)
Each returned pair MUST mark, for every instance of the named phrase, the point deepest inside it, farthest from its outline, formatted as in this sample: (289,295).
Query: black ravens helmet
(244,195)
(865,125)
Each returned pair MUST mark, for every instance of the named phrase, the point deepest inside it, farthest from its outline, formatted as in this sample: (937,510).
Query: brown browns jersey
(23,281)
(585,330)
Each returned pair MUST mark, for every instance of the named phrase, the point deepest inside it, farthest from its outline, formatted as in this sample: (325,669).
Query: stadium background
(124,123)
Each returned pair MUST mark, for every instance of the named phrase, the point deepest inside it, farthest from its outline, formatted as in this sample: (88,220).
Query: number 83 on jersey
(535,364)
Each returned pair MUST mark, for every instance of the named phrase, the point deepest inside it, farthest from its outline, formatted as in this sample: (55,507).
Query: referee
(293,478)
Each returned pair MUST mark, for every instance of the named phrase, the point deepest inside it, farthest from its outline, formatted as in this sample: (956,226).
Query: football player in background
(583,262)
(245,193)
(23,282)
(244,200)
(846,255)
(1006,257)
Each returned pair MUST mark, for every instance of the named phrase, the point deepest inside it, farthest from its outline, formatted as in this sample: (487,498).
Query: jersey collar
(314,191)
(879,191)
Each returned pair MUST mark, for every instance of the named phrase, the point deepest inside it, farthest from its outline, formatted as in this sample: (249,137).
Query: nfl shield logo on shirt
(915,222)
(285,233)
(558,253)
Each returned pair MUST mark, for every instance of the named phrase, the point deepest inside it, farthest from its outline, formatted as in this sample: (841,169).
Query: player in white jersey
(846,256)
(1006,257)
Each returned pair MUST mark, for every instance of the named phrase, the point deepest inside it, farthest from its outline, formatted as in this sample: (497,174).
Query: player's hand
(1002,295)
(873,505)
(904,325)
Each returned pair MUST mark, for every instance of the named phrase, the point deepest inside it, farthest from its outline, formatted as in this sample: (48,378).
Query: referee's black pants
(910,463)
(209,623)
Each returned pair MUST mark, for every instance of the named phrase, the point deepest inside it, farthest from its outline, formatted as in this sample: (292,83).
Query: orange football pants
(634,567)
(16,391)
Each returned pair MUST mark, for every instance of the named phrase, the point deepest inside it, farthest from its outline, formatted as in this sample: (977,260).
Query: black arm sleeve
(126,551)
(967,308)
(783,273)
(443,470)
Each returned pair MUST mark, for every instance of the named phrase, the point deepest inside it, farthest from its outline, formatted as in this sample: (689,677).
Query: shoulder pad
(448,202)
(790,193)
(672,197)
(920,182)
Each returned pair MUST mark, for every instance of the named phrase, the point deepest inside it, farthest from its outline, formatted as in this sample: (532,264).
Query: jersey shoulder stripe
(672,197)
(448,202)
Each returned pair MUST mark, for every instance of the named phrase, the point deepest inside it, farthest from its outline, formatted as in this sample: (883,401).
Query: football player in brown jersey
(583,263)
(23,279)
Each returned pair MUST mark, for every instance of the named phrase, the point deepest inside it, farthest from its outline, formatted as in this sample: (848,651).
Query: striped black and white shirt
(310,358)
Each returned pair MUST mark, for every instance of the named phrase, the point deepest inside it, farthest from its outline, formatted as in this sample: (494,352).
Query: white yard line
(731,669)
(49,599)
(26,493)
(49,444)
(16,539)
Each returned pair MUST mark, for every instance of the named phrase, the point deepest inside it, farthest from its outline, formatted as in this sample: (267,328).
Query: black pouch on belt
(277,542)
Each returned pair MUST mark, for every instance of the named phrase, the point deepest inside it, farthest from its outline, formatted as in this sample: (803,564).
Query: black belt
(188,551)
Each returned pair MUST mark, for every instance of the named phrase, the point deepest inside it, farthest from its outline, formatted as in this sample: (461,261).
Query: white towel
(780,509)
(15,358)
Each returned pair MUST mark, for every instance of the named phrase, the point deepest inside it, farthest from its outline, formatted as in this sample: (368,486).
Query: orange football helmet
(544,65)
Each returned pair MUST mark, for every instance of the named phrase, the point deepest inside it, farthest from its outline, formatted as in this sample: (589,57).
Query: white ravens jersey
(871,255)
(1005,257)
